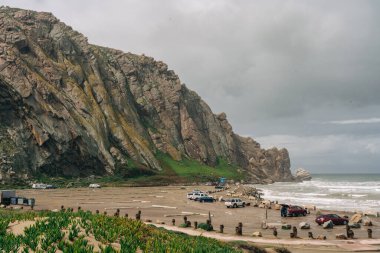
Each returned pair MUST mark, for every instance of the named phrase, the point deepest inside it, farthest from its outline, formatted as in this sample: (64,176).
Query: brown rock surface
(69,107)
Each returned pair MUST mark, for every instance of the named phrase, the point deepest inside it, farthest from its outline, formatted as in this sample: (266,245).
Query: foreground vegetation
(83,231)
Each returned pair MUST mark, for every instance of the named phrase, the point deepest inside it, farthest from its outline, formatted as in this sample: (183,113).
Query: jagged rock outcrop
(302,175)
(72,108)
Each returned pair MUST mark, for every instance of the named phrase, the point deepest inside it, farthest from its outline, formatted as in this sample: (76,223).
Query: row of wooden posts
(238,229)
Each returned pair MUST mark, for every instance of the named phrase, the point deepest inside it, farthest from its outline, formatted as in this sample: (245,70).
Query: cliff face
(71,108)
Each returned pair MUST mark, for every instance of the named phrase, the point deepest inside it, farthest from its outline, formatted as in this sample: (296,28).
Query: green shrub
(205,226)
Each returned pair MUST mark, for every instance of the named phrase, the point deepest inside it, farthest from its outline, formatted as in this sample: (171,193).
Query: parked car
(235,202)
(94,186)
(194,193)
(296,211)
(336,219)
(206,199)
(51,186)
(200,195)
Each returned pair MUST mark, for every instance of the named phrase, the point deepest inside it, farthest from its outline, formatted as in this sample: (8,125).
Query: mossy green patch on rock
(192,170)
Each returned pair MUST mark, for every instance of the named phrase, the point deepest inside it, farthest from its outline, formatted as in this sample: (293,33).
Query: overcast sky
(304,75)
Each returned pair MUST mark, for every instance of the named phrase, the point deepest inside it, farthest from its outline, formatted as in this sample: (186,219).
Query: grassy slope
(185,171)
(193,170)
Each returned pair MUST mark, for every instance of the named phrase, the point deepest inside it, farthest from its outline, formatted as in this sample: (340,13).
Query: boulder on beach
(303,175)
(159,222)
(354,225)
(328,224)
(310,207)
(321,237)
(304,225)
(265,204)
(356,218)
(341,236)
(257,234)
(366,221)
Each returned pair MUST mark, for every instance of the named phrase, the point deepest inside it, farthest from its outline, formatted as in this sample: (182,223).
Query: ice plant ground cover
(82,231)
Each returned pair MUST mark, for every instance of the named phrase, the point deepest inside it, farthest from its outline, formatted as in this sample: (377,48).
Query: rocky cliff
(71,108)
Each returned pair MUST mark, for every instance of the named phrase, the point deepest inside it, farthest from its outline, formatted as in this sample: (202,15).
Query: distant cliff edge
(69,108)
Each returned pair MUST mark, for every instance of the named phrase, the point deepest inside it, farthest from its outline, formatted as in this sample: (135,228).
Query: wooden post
(138,215)
(239,229)
(350,234)
(221,228)
(173,222)
(369,231)
(126,215)
(275,232)
(295,231)
(195,224)
(185,219)
(310,234)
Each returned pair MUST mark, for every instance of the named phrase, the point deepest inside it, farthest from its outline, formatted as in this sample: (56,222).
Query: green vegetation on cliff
(186,171)
(192,170)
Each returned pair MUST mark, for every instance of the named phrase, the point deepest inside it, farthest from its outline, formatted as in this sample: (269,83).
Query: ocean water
(346,192)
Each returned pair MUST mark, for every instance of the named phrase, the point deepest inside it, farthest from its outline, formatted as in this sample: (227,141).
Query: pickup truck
(235,202)
(197,196)
(193,194)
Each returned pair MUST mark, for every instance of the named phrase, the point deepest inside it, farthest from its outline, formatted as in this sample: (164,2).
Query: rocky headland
(70,108)
(302,175)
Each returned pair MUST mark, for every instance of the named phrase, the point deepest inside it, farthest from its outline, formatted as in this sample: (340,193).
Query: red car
(336,219)
(296,211)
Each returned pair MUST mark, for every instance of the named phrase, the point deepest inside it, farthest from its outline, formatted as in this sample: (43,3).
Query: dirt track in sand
(165,203)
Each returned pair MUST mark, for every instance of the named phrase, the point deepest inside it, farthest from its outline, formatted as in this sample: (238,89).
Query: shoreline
(164,203)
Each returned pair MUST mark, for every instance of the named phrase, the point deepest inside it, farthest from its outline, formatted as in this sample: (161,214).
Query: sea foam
(331,192)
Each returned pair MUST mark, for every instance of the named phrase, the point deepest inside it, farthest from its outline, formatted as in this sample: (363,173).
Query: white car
(94,186)
(235,202)
(193,194)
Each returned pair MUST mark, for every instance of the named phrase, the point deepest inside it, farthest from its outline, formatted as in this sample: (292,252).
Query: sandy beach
(162,204)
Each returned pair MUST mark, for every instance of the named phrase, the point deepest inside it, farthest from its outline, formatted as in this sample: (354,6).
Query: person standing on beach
(283,211)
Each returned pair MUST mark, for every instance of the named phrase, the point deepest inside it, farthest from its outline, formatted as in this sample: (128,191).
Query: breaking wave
(360,192)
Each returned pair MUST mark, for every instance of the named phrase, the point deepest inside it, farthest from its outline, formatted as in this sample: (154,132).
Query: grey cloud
(355,121)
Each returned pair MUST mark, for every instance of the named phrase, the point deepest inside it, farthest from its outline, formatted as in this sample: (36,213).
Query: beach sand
(162,204)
